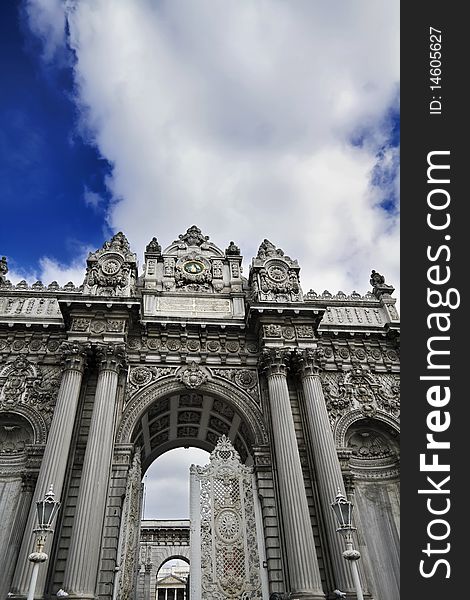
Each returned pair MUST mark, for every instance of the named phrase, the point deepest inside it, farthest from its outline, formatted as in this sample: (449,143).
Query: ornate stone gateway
(225,542)
(98,380)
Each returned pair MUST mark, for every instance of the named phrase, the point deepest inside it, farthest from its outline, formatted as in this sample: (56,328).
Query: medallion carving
(193,376)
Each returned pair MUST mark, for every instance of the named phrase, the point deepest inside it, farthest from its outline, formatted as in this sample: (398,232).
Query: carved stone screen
(225,547)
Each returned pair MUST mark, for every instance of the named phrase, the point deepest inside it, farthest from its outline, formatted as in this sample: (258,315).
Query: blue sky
(45,164)
(252,120)
(264,119)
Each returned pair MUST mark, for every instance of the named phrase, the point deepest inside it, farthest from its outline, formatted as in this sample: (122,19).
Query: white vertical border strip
(260,539)
(195,534)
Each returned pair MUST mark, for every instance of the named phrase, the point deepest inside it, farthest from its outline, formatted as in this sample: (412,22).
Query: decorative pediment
(112,270)
(274,277)
(193,264)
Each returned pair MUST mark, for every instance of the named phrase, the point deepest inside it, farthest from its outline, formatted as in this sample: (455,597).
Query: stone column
(327,466)
(54,462)
(304,574)
(85,545)
(148,571)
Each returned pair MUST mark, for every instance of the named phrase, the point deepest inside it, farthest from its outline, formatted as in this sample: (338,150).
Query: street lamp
(47,510)
(343,511)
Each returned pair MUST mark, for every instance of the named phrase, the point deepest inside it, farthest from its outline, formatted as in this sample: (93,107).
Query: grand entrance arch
(187,406)
(134,362)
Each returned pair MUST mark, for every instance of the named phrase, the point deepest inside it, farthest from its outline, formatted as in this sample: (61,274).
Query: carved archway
(167,414)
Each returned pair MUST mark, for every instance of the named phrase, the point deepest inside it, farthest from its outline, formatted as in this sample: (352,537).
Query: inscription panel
(188,306)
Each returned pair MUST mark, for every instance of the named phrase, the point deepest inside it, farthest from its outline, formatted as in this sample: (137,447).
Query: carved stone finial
(380,288)
(153,246)
(376,279)
(118,242)
(268,249)
(3,270)
(232,250)
(193,236)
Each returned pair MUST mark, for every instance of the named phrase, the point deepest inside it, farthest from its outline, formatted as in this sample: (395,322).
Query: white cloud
(52,270)
(237,116)
(92,199)
(167,483)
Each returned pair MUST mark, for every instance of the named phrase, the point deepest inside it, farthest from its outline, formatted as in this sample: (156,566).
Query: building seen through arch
(294,395)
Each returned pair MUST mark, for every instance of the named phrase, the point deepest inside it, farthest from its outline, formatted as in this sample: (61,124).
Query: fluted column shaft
(327,466)
(85,545)
(54,462)
(302,560)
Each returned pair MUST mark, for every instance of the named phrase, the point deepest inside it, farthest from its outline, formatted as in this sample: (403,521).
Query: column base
(75,596)
(306,596)
(350,595)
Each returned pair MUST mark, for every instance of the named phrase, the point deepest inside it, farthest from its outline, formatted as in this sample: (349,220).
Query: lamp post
(343,511)
(47,510)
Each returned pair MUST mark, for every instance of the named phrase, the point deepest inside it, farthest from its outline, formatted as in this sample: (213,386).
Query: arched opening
(16,435)
(375,462)
(173,580)
(191,419)
(167,419)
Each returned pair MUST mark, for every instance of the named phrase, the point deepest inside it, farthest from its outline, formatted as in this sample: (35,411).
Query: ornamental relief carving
(23,384)
(229,552)
(112,270)
(245,379)
(347,354)
(97,326)
(358,389)
(141,376)
(193,376)
(191,344)
(274,277)
(30,344)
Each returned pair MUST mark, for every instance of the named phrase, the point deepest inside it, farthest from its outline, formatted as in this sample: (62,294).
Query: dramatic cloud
(242,117)
(252,119)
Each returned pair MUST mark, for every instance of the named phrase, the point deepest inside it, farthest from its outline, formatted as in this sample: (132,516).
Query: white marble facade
(98,380)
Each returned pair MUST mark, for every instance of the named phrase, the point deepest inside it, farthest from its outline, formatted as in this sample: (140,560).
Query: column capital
(74,355)
(110,357)
(308,361)
(274,361)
